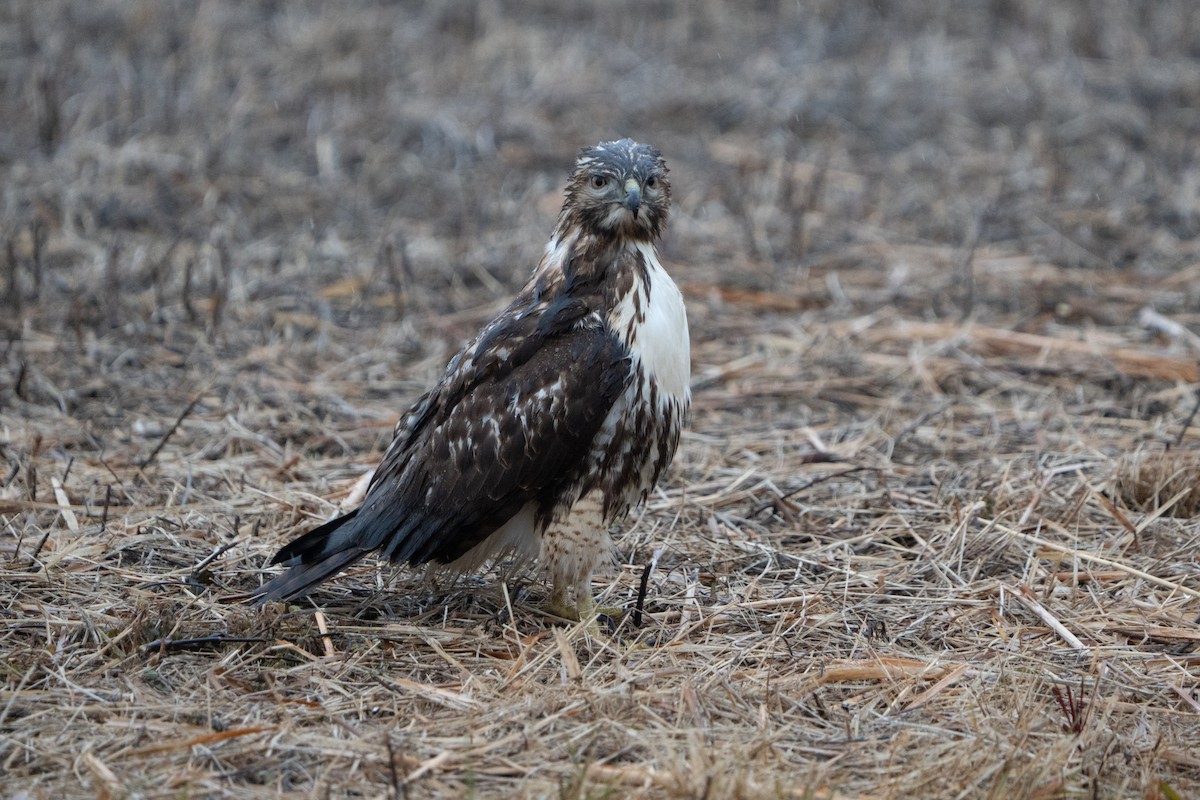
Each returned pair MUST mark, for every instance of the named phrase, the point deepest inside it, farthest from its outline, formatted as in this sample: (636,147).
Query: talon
(586,611)
(560,609)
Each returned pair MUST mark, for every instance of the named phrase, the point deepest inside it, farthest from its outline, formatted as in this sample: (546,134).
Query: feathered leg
(570,552)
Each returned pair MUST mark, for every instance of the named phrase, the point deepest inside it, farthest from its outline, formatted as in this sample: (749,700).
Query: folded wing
(511,423)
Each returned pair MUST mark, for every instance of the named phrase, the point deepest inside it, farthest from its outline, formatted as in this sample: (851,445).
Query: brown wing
(511,422)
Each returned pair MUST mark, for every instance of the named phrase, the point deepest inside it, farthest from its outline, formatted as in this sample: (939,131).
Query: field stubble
(931,532)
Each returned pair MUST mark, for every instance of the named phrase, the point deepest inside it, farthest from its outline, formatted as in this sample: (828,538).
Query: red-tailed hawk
(558,417)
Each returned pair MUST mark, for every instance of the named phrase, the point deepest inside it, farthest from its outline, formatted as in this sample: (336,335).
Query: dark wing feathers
(511,422)
(310,543)
(309,566)
(518,435)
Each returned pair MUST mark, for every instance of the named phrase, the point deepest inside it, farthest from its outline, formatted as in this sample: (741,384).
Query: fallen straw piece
(1026,597)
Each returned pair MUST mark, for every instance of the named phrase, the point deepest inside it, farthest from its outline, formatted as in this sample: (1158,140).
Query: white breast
(661,341)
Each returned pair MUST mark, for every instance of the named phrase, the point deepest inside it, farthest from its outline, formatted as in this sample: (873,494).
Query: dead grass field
(933,528)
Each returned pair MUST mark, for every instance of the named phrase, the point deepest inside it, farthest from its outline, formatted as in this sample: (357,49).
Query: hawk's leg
(570,552)
(560,604)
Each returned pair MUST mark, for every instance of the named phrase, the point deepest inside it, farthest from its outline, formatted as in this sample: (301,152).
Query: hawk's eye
(652,182)
(599,181)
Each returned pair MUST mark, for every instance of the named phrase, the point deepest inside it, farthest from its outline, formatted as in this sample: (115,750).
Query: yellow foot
(586,611)
(560,609)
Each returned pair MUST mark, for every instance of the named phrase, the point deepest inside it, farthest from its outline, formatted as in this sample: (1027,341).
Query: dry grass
(930,533)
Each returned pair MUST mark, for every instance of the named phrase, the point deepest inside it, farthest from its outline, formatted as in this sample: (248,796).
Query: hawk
(557,418)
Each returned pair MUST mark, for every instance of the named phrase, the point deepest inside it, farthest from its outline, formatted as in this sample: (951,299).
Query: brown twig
(162,442)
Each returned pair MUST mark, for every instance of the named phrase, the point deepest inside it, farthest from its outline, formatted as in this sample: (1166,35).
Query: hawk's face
(619,188)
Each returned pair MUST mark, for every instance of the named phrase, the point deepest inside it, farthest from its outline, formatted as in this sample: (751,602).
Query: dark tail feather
(309,562)
(302,577)
(308,548)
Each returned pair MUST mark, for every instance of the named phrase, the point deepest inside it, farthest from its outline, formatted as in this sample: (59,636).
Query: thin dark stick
(19,383)
(37,550)
(20,541)
(641,595)
(783,498)
(31,475)
(822,479)
(12,476)
(38,229)
(104,514)
(115,476)
(918,422)
(167,645)
(178,421)
(1187,423)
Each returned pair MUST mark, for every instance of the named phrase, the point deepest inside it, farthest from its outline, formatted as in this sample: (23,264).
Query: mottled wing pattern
(511,423)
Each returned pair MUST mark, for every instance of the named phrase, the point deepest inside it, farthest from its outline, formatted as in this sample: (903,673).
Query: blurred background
(234,197)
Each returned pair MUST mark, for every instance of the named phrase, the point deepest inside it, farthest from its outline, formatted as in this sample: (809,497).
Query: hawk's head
(619,189)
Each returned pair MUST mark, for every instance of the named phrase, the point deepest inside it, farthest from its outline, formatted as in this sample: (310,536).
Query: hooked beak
(633,197)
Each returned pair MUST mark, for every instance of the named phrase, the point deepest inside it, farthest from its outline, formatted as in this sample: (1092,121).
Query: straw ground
(931,532)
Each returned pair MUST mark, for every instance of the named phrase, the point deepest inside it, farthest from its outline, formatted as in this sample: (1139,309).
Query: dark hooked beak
(633,199)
